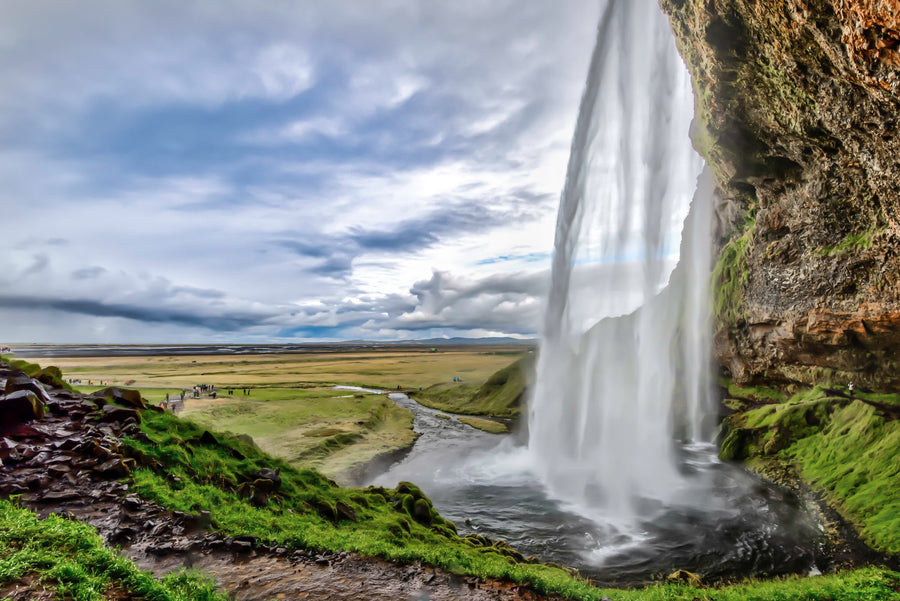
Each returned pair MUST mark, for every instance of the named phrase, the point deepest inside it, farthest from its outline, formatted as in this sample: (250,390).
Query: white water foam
(623,370)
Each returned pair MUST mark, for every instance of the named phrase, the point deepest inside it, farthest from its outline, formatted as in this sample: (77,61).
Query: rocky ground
(61,454)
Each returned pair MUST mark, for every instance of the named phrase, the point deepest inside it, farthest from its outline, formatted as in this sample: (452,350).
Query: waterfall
(623,368)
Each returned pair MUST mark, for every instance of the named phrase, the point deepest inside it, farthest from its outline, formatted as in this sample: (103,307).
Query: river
(485,484)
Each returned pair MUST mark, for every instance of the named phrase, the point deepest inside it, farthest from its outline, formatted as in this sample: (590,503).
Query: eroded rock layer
(798,103)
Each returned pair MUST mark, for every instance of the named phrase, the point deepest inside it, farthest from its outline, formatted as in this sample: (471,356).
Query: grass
(377,368)
(330,430)
(501,394)
(487,425)
(69,558)
(396,524)
(840,446)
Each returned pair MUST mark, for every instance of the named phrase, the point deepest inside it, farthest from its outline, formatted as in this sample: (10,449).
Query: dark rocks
(117,467)
(20,406)
(122,396)
(21,381)
(113,413)
(345,512)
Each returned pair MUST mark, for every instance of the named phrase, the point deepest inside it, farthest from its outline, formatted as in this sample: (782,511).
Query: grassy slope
(841,447)
(322,428)
(70,558)
(500,395)
(303,515)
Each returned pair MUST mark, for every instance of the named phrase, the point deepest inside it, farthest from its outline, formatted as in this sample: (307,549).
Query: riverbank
(842,448)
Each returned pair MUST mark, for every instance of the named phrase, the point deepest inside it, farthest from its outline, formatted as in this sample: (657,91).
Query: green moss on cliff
(730,278)
(851,243)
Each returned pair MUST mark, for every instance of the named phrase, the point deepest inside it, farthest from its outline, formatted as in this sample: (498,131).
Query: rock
(123,396)
(345,512)
(808,178)
(241,546)
(22,382)
(113,413)
(117,467)
(20,406)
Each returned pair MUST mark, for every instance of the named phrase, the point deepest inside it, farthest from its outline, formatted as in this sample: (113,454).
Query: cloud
(267,170)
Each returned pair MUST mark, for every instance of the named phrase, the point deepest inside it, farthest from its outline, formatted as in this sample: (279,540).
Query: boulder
(20,406)
(114,413)
(122,396)
(21,381)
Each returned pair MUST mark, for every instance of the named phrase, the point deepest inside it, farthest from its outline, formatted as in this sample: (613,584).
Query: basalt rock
(20,381)
(798,107)
(18,407)
(121,396)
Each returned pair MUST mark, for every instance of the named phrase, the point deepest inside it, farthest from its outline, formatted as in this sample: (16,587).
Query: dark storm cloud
(156,314)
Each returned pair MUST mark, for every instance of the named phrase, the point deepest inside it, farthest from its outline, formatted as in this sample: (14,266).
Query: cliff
(798,103)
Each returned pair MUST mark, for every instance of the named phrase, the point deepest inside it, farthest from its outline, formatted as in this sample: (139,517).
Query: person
(850,388)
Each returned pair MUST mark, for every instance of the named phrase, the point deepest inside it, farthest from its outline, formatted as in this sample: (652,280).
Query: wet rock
(241,546)
(122,396)
(22,382)
(117,467)
(20,406)
(59,496)
(113,413)
(345,512)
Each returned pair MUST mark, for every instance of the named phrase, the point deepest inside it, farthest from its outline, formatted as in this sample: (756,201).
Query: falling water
(623,368)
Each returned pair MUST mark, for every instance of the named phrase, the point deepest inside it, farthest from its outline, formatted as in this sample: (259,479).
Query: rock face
(798,104)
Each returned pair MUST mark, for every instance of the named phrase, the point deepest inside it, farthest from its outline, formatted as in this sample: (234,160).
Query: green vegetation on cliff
(70,559)
(729,279)
(501,395)
(846,448)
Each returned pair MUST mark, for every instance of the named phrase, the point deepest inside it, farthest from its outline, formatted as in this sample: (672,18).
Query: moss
(851,243)
(730,278)
(845,448)
(50,375)
(69,558)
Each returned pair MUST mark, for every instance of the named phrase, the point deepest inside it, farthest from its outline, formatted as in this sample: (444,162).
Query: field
(377,368)
(290,408)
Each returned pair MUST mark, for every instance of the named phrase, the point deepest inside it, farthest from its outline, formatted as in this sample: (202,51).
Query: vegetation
(851,243)
(846,448)
(730,278)
(376,368)
(194,470)
(330,430)
(501,394)
(48,375)
(488,425)
(69,558)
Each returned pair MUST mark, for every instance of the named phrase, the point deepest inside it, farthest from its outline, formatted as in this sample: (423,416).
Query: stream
(733,526)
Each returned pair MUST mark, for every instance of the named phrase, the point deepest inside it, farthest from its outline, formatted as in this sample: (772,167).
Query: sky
(282,171)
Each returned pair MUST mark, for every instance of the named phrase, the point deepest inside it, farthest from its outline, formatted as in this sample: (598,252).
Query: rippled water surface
(730,525)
